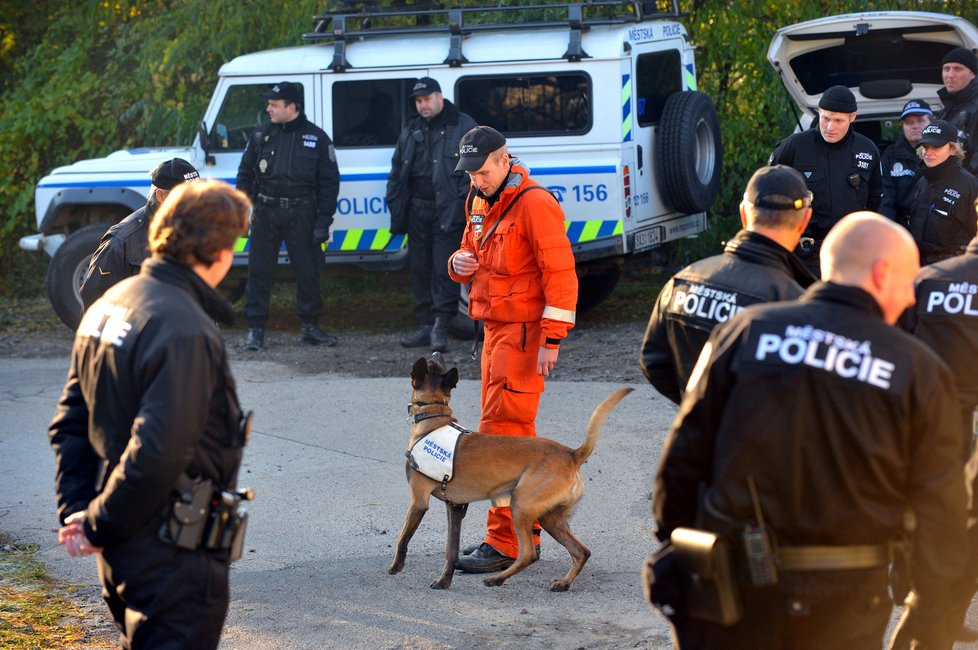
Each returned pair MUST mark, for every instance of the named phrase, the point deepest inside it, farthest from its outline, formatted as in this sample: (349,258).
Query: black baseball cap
(916,107)
(425,86)
(171,173)
(838,99)
(290,92)
(777,187)
(938,134)
(475,146)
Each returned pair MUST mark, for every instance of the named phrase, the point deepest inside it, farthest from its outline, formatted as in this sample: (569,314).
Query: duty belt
(282,201)
(829,558)
(424,204)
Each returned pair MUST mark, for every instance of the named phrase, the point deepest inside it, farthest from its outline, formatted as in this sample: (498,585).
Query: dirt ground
(603,346)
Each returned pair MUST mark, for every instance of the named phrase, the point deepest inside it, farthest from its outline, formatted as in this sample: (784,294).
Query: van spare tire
(688,152)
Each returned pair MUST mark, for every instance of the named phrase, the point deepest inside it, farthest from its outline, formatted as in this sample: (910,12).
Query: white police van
(598,99)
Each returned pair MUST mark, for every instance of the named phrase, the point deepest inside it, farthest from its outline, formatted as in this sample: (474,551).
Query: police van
(598,99)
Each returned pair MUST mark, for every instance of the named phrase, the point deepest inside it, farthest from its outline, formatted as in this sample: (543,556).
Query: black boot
(439,334)
(420,337)
(255,340)
(312,335)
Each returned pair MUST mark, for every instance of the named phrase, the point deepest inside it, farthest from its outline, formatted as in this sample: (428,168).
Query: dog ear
(418,372)
(449,380)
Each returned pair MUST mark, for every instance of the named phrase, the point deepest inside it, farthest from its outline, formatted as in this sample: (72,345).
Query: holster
(703,560)
(201,517)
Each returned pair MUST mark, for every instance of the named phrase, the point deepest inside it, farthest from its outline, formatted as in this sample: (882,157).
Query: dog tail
(600,414)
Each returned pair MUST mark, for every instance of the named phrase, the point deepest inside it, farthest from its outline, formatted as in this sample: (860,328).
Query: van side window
(528,105)
(241,114)
(657,76)
(371,113)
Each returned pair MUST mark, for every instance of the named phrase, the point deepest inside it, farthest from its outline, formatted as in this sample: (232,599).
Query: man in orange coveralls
(516,254)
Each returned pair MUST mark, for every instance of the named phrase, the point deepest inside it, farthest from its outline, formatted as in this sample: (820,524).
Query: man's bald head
(869,251)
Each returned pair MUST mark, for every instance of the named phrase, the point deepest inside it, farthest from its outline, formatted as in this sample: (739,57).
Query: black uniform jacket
(119,255)
(292,160)
(900,171)
(842,421)
(752,269)
(843,176)
(945,317)
(149,392)
(961,110)
(943,220)
(450,186)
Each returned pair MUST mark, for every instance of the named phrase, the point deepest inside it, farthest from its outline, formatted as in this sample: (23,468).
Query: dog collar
(421,417)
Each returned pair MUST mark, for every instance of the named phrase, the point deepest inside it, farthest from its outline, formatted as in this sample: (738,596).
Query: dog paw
(559,585)
(492,582)
(441,583)
(395,569)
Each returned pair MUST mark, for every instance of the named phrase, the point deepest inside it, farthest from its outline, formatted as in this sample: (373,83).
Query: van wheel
(68,270)
(595,287)
(688,152)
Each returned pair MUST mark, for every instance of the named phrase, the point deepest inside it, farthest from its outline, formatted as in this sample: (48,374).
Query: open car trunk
(885,58)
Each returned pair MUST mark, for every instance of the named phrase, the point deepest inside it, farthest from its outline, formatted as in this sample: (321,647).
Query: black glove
(320,232)
(320,235)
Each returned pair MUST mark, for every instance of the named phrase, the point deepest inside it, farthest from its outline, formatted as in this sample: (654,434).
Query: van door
(364,114)
(659,67)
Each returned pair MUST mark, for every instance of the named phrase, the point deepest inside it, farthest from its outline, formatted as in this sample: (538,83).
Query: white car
(885,58)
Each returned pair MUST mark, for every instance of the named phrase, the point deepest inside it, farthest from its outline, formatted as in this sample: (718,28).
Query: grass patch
(354,301)
(35,610)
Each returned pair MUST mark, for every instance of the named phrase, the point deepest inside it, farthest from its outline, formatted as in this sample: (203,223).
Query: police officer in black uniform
(426,199)
(945,317)
(841,168)
(756,266)
(960,99)
(901,163)
(821,422)
(124,246)
(149,411)
(289,170)
(943,218)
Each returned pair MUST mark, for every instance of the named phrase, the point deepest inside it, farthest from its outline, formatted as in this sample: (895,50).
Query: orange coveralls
(525,291)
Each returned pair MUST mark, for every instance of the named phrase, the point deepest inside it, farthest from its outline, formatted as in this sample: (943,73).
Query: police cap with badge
(290,92)
(171,173)
(939,133)
(476,145)
(424,87)
(916,107)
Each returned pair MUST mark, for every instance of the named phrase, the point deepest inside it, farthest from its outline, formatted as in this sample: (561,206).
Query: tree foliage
(82,79)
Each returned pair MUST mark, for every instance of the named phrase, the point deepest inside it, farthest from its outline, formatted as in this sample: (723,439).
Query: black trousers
(813,610)
(163,597)
(429,247)
(270,226)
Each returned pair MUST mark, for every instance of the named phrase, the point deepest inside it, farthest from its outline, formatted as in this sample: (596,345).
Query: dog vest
(434,455)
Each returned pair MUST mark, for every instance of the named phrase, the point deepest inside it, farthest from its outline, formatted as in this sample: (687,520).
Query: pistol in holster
(202,517)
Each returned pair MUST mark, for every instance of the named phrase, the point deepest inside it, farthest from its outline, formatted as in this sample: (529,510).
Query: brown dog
(538,478)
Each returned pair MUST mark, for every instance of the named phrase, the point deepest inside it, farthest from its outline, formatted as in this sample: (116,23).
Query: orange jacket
(526,266)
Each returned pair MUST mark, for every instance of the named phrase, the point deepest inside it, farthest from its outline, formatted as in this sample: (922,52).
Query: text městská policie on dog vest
(434,455)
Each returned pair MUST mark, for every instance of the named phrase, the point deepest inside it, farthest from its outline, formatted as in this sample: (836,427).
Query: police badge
(476,220)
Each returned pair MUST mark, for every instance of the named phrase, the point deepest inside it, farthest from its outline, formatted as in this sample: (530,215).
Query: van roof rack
(359,19)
